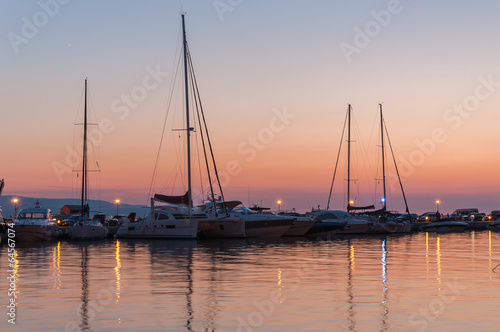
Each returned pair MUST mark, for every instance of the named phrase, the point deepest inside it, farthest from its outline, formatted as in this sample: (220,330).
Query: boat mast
(384,200)
(348,157)
(188,129)
(84,158)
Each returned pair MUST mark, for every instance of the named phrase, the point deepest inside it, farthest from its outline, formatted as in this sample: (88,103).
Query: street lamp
(117,201)
(437,205)
(279,205)
(15,200)
(351,202)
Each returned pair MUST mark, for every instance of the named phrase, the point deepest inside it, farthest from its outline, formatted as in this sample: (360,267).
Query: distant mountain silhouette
(55,205)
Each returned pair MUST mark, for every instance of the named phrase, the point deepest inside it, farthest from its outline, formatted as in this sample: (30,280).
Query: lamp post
(279,205)
(437,205)
(15,200)
(117,201)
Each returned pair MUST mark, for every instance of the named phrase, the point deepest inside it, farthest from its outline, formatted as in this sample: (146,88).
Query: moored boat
(352,225)
(444,226)
(85,228)
(169,221)
(35,224)
(256,224)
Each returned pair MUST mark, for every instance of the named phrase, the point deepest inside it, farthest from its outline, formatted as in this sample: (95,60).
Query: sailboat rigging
(84,228)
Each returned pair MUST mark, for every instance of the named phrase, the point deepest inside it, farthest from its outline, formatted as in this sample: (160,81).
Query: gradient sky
(433,65)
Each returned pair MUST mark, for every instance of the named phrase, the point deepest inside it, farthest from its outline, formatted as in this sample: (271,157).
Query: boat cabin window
(32,215)
(161,216)
(242,210)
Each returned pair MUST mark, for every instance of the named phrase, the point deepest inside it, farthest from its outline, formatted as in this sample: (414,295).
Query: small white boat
(87,229)
(35,224)
(163,222)
(444,226)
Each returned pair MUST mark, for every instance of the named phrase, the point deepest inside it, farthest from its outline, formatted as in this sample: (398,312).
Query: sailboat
(386,222)
(85,228)
(352,225)
(175,218)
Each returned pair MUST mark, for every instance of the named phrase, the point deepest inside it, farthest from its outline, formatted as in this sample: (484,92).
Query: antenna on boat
(188,129)
(84,158)
(349,158)
(384,199)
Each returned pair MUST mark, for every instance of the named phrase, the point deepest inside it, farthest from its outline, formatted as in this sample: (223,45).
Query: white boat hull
(87,232)
(159,229)
(34,233)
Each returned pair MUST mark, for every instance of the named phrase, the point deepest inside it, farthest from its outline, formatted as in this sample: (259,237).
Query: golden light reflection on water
(16,274)
(427,253)
(56,264)
(118,267)
(489,253)
(212,284)
(351,257)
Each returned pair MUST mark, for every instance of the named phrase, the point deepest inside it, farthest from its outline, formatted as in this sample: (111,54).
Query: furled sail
(184,199)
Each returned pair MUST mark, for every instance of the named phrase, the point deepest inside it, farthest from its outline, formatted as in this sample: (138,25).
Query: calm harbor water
(418,282)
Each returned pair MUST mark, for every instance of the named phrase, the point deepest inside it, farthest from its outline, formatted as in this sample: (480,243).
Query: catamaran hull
(222,228)
(87,232)
(182,229)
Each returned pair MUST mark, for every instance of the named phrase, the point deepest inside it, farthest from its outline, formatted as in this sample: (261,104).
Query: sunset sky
(275,79)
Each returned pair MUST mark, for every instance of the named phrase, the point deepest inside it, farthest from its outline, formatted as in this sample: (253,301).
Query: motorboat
(353,225)
(444,226)
(35,224)
(256,224)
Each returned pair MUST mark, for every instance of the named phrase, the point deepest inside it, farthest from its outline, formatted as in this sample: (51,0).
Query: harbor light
(437,205)
(15,200)
(279,205)
(117,201)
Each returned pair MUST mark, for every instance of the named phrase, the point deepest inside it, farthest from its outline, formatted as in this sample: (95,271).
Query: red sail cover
(184,199)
